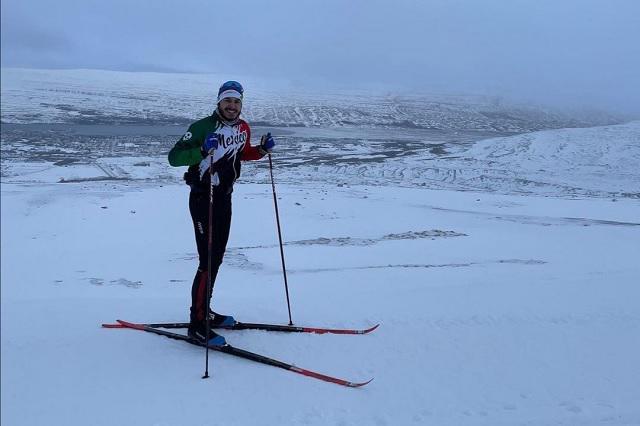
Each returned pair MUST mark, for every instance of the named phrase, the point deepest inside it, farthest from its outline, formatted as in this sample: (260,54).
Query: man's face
(230,108)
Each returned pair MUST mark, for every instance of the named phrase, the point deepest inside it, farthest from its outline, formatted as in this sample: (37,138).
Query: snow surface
(528,315)
(504,273)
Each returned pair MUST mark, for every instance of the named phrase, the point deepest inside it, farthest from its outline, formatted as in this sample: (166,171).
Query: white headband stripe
(229,94)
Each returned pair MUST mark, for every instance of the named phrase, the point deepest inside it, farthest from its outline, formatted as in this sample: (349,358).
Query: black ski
(231,350)
(260,326)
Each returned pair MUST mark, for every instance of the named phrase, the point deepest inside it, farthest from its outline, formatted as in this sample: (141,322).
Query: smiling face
(230,108)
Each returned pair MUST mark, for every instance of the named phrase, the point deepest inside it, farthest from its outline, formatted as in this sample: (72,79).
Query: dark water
(65,144)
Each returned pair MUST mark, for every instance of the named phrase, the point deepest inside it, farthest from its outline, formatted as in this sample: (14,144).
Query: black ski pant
(199,209)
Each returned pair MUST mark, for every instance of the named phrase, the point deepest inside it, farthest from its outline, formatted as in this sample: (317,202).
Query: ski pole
(284,268)
(209,283)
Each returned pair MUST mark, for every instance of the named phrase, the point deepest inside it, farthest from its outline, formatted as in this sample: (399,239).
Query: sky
(583,53)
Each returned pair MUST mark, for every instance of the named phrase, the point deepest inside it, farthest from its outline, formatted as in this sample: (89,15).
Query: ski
(232,350)
(259,326)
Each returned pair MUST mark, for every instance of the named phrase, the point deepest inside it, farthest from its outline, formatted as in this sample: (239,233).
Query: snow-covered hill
(583,161)
(103,125)
(111,97)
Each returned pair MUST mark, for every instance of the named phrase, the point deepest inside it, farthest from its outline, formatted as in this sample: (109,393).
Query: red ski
(260,326)
(232,350)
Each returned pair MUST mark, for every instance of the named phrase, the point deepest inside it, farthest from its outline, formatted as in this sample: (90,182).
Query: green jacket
(187,151)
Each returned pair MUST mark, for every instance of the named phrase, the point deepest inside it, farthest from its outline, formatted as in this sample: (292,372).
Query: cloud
(569,53)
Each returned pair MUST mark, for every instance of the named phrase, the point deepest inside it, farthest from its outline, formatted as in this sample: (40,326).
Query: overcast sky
(566,52)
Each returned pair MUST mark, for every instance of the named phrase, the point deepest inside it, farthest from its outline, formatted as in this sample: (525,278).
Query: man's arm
(250,152)
(188,150)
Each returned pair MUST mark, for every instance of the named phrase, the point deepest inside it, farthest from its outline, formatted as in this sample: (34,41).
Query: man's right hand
(210,144)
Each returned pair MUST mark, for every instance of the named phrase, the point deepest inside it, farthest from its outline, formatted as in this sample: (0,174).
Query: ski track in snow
(498,252)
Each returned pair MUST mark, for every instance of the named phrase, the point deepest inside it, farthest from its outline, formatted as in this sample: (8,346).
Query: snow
(99,96)
(603,158)
(500,302)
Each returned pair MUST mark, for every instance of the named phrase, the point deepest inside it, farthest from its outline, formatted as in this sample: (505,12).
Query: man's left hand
(267,143)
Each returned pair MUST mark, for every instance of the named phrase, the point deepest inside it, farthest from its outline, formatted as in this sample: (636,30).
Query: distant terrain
(77,125)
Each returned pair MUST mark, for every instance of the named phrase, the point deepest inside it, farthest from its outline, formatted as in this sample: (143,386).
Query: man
(224,138)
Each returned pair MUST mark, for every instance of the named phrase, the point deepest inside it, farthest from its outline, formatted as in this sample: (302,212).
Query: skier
(224,137)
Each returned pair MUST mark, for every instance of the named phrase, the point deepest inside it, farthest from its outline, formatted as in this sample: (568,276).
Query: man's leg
(199,208)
